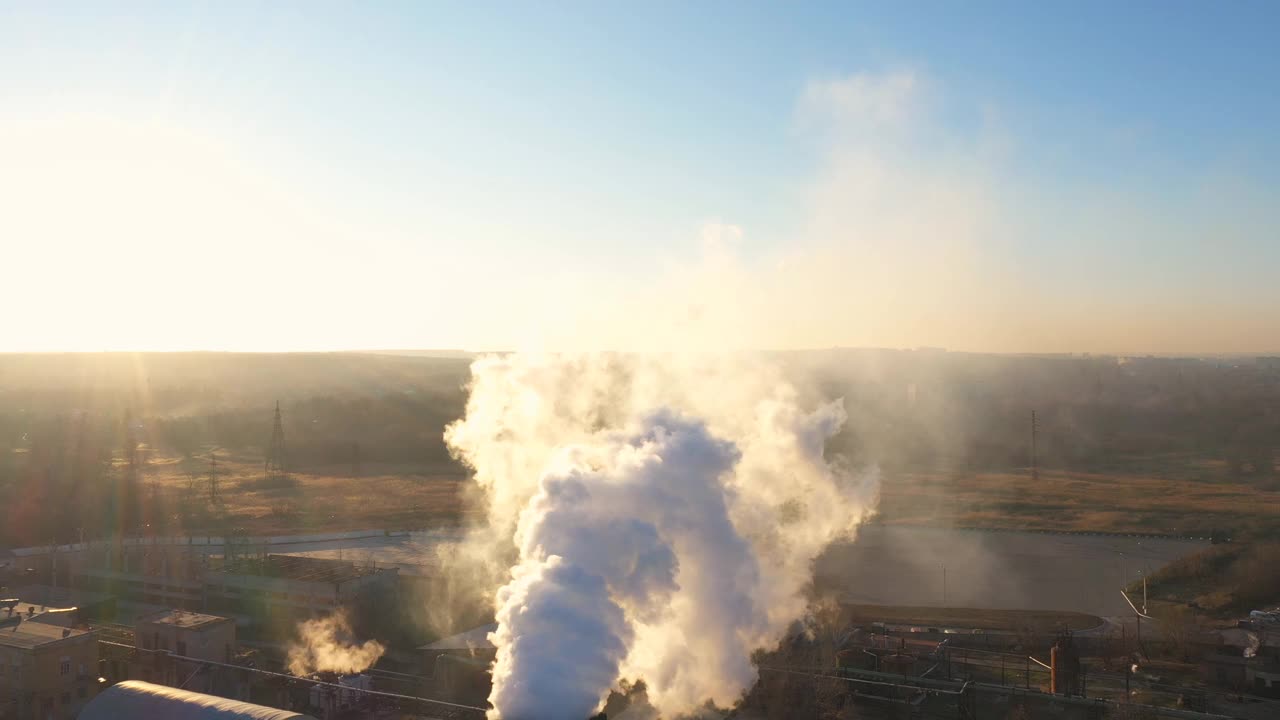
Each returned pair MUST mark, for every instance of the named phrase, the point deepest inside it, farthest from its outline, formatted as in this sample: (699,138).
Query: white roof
(136,699)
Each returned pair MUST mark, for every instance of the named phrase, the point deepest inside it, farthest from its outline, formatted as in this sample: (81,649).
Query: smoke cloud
(328,645)
(651,518)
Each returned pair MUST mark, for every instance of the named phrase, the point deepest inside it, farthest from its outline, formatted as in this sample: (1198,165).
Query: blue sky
(473,174)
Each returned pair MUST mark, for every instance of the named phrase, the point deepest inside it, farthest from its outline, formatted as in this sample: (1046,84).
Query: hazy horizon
(465,353)
(712,177)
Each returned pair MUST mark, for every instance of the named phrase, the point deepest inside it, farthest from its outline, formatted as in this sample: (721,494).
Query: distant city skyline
(990,177)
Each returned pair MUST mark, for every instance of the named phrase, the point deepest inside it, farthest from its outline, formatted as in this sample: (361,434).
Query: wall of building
(212,640)
(53,680)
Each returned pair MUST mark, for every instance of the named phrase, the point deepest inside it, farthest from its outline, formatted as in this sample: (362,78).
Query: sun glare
(127,216)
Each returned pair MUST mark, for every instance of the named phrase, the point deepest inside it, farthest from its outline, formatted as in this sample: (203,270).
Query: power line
(879,683)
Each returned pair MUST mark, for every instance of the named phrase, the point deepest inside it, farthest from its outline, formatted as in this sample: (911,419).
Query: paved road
(896,565)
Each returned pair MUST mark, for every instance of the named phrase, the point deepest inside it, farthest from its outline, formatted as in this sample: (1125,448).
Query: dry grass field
(1133,501)
(386,496)
(413,496)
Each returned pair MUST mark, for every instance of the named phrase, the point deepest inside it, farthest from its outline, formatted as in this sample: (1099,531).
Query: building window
(66,698)
(64,668)
(80,692)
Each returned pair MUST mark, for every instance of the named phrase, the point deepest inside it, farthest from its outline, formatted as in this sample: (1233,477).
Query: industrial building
(252,587)
(46,671)
(136,699)
(1244,659)
(186,635)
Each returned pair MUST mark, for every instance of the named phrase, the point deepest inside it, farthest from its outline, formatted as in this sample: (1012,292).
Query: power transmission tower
(275,467)
(130,447)
(213,478)
(1035,429)
(127,497)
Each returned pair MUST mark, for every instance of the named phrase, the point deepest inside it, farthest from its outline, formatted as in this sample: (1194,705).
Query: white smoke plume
(327,645)
(665,512)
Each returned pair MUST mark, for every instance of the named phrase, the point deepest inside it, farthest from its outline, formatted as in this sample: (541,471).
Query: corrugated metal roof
(27,634)
(134,699)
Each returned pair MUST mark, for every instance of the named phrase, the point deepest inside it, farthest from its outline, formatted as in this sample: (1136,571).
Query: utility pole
(1035,427)
(1138,615)
(944,584)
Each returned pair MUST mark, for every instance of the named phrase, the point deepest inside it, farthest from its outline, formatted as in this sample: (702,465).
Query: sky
(1010,177)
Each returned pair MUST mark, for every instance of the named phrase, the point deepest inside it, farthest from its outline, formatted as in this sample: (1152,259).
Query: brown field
(1137,502)
(383,496)
(1166,497)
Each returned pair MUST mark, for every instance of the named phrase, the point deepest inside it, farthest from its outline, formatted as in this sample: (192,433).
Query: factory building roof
(136,699)
(182,619)
(299,567)
(473,639)
(23,633)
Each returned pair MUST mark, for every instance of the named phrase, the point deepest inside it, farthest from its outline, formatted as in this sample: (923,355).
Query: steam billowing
(328,645)
(664,513)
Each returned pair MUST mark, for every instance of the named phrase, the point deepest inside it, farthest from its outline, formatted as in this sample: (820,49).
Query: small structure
(186,635)
(459,665)
(862,650)
(137,699)
(1064,666)
(331,701)
(46,671)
